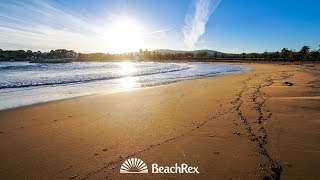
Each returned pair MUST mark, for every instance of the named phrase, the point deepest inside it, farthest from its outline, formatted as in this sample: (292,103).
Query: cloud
(40,25)
(160,31)
(196,20)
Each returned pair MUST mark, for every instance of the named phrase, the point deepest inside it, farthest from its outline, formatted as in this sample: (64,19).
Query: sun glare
(124,36)
(128,81)
(127,68)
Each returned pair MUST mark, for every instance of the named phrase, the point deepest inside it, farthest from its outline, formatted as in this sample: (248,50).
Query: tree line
(304,54)
(21,55)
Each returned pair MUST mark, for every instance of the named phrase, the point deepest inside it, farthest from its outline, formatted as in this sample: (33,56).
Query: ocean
(24,83)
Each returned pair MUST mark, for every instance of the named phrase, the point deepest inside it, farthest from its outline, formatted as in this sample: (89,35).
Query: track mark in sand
(316,70)
(314,83)
(73,177)
(258,98)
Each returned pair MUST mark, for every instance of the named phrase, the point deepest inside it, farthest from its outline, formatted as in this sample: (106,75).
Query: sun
(125,35)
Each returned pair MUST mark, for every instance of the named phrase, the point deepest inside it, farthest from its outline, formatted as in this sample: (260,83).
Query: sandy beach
(251,125)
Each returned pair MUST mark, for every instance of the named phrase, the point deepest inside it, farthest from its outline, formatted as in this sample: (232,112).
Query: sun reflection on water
(127,68)
(128,82)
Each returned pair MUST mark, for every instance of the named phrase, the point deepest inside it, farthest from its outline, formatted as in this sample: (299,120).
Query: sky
(109,26)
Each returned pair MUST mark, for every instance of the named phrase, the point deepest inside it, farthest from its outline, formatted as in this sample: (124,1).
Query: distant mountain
(181,51)
(208,51)
(169,51)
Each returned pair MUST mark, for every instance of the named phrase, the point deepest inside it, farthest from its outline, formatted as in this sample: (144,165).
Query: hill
(194,51)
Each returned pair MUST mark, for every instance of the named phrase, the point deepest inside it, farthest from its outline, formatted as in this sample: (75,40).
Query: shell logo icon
(134,165)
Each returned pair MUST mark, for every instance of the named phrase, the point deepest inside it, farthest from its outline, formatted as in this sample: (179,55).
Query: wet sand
(251,125)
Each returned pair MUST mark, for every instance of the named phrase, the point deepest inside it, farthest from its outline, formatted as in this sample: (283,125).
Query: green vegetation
(206,55)
(21,55)
(304,54)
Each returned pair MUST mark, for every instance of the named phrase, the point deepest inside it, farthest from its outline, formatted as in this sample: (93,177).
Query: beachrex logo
(183,168)
(135,165)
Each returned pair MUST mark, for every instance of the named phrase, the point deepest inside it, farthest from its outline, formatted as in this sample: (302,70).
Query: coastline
(30,91)
(230,126)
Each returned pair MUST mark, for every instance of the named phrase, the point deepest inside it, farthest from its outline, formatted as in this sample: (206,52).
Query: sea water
(23,83)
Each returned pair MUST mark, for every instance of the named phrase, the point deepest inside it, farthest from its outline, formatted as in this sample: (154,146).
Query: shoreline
(230,126)
(135,88)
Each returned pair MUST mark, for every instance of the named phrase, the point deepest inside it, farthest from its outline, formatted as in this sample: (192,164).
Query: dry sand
(240,126)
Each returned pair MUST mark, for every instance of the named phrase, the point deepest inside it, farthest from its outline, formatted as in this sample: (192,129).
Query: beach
(259,124)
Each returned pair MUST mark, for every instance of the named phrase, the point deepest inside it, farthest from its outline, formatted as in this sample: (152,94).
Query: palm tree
(304,52)
(284,54)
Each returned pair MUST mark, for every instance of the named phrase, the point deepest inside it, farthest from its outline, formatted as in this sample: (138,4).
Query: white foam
(23,83)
